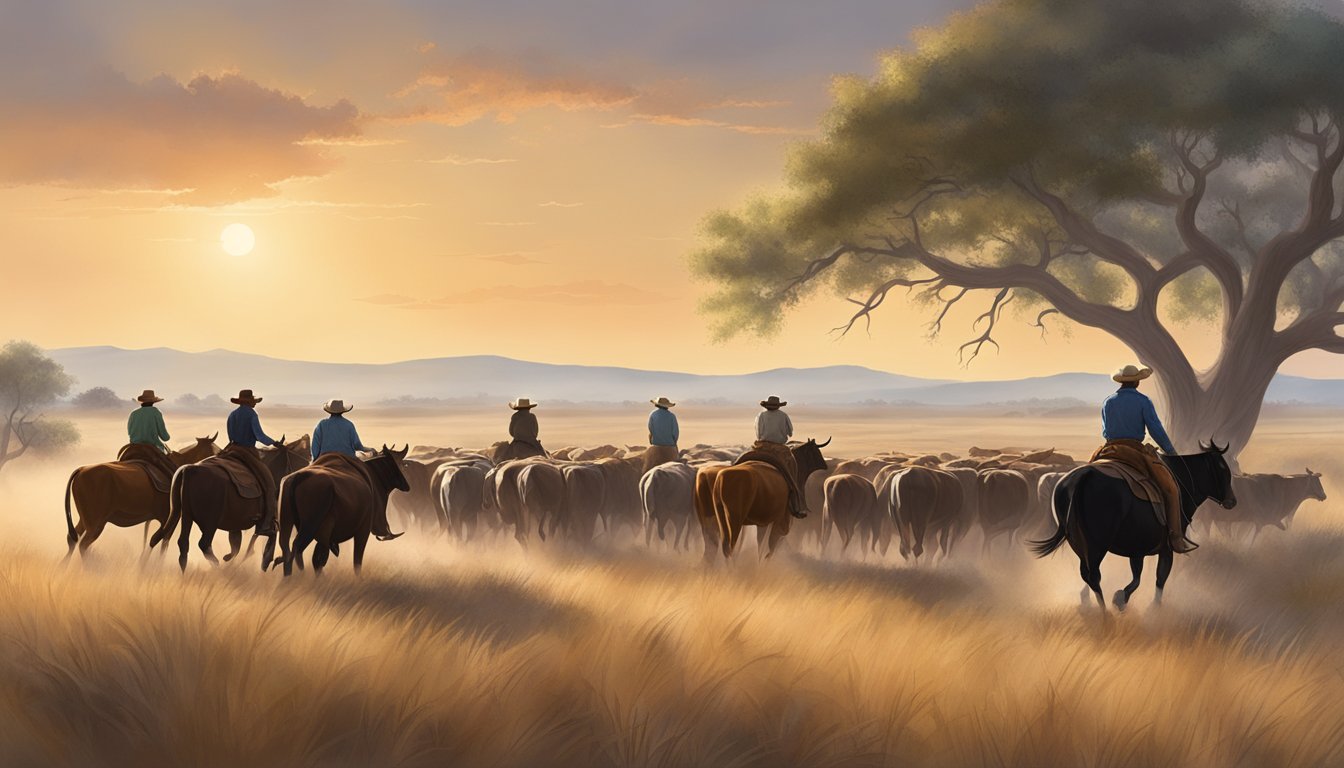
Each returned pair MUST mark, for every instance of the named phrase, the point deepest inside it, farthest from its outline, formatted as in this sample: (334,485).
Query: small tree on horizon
(30,380)
(1095,161)
(99,398)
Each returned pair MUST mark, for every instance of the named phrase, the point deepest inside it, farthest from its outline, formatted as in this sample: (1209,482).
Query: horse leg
(1164,563)
(775,537)
(184,539)
(361,541)
(321,552)
(1092,575)
(235,544)
(1121,597)
(207,544)
(90,535)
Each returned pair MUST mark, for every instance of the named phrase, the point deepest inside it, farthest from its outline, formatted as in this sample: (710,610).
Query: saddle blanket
(1143,488)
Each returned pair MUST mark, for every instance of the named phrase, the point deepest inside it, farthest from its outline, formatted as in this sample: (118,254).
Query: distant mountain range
(174,373)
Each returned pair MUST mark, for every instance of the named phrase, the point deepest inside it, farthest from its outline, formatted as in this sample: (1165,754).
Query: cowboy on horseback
(523,431)
(146,433)
(336,433)
(244,429)
(773,430)
(1125,416)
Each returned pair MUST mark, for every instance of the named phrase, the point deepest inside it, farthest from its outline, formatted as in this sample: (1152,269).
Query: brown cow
(337,498)
(585,494)
(1264,501)
(922,500)
(1004,498)
(120,493)
(850,505)
(751,493)
(668,493)
(458,489)
(203,494)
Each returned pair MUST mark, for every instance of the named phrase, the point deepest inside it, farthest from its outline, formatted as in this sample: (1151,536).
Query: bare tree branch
(1041,317)
(1224,267)
(990,317)
(875,300)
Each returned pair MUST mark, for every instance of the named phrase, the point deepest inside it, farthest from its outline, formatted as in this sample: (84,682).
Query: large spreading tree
(29,381)
(1122,164)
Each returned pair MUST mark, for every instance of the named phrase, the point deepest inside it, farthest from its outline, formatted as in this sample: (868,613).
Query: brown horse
(120,493)
(204,495)
(337,498)
(752,493)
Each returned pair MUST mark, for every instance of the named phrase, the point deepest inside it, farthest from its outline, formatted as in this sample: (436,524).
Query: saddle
(152,461)
(244,482)
(1140,484)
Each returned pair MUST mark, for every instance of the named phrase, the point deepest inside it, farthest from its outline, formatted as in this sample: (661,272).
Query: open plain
(485,654)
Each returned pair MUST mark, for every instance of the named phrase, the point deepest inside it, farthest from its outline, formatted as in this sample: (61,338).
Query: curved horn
(828,442)
(1223,449)
(214,437)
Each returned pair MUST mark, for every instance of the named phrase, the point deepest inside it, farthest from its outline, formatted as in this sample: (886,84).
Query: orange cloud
(463,91)
(222,139)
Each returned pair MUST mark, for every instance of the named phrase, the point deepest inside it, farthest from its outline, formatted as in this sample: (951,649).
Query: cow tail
(175,496)
(1063,517)
(70,536)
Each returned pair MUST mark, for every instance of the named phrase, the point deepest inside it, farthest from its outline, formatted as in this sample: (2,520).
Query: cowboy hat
(148,396)
(773,401)
(663,402)
(522,404)
(1131,373)
(245,398)
(337,406)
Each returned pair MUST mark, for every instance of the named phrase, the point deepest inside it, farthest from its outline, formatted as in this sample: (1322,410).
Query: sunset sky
(424,179)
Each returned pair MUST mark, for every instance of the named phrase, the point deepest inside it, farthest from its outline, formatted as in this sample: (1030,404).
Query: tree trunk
(1225,405)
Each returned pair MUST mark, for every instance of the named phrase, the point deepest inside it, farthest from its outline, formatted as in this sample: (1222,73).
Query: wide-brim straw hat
(1132,373)
(522,404)
(148,396)
(773,401)
(337,406)
(244,398)
(663,402)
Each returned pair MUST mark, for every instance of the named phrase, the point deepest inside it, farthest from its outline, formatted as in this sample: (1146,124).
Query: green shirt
(146,426)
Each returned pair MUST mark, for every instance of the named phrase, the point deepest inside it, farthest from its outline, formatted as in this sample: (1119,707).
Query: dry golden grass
(484,655)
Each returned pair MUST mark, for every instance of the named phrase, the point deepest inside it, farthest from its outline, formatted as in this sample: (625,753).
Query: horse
(120,493)
(204,494)
(337,498)
(1098,514)
(752,493)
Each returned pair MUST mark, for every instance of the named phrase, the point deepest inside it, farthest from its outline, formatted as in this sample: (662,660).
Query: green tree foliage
(1082,159)
(29,380)
(99,398)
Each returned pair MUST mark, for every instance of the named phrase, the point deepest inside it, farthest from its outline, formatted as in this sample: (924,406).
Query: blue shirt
(244,427)
(663,428)
(1126,414)
(336,435)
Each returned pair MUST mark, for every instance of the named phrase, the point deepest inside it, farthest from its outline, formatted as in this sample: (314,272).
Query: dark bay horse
(203,495)
(1098,514)
(752,493)
(335,499)
(120,493)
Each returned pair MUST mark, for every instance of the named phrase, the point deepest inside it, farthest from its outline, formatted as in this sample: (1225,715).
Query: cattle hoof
(1119,600)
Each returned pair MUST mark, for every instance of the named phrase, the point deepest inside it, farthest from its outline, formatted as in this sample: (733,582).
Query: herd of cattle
(926,502)
(580,494)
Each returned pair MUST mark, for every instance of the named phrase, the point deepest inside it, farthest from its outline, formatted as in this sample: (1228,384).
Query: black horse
(1097,514)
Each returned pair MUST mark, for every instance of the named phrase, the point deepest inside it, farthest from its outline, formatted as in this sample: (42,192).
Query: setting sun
(237,239)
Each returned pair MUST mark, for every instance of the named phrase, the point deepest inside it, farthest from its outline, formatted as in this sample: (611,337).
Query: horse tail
(176,493)
(1064,492)
(71,537)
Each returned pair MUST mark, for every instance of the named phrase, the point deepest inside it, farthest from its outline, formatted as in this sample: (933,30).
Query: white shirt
(774,426)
